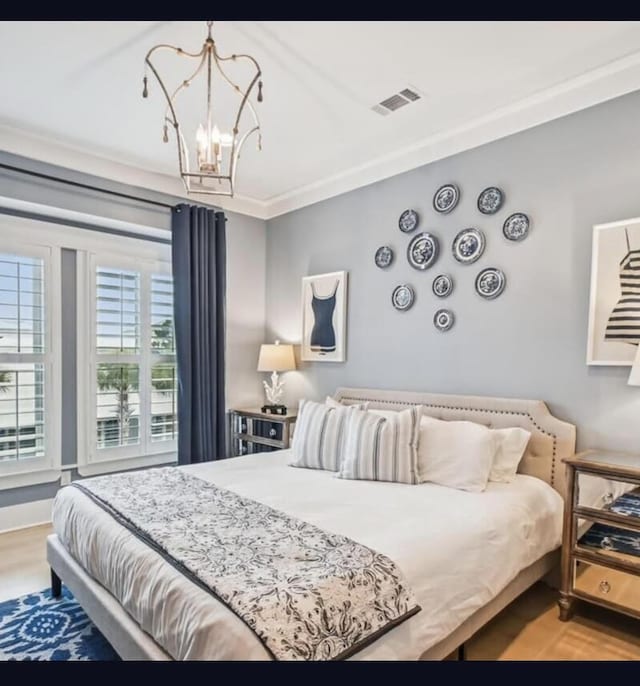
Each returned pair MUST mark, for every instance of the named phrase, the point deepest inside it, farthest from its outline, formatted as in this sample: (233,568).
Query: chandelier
(216,143)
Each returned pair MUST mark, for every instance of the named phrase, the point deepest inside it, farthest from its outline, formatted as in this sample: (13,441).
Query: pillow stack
(404,447)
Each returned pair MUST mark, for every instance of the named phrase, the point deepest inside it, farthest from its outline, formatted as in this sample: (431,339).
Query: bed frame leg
(56,585)
(462,652)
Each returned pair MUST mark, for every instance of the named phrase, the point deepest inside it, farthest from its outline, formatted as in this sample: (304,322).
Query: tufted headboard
(551,438)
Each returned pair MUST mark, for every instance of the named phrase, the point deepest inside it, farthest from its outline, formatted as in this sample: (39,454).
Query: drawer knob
(604,586)
(606,543)
(607,498)
(272,432)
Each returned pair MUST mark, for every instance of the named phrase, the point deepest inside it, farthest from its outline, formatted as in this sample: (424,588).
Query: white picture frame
(609,248)
(324,328)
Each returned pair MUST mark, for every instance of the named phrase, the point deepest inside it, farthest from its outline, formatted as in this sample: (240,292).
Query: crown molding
(606,82)
(598,85)
(40,147)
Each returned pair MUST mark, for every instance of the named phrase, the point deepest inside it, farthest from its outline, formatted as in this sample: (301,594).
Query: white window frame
(148,259)
(46,469)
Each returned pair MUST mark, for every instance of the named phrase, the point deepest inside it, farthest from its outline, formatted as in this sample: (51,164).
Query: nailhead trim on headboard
(470,409)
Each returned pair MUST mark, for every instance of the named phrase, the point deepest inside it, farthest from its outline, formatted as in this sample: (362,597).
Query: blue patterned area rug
(39,627)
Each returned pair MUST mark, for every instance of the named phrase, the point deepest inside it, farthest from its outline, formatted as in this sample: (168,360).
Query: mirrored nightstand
(602,564)
(253,431)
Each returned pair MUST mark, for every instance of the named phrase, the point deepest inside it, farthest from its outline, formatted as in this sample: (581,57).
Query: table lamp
(275,358)
(634,377)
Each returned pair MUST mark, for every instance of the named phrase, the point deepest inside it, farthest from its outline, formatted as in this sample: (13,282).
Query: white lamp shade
(634,377)
(276,358)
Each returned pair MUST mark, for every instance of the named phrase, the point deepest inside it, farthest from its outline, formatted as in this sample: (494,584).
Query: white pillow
(380,448)
(330,402)
(510,447)
(455,454)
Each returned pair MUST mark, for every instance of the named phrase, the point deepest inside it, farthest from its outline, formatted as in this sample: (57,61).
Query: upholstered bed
(466,555)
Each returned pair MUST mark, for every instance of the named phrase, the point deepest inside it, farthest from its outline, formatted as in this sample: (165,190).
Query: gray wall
(246,250)
(531,342)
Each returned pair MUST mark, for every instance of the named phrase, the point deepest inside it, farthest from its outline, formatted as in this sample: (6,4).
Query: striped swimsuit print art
(624,322)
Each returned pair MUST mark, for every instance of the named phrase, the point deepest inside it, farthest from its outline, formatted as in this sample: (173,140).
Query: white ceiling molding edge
(591,88)
(40,148)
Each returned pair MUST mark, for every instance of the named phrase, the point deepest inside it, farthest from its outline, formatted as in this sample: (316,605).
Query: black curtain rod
(86,186)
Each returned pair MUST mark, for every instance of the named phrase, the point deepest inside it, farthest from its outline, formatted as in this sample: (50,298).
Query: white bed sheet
(457,549)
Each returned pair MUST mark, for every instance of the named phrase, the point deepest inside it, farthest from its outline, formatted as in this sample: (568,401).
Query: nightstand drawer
(615,542)
(609,495)
(605,585)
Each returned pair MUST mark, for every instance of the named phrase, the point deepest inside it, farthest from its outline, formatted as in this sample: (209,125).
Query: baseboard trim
(25,515)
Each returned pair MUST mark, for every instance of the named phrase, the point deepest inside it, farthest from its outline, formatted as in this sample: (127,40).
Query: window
(125,410)
(29,364)
(131,351)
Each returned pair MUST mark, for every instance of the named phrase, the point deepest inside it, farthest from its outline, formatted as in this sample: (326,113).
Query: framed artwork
(614,304)
(324,317)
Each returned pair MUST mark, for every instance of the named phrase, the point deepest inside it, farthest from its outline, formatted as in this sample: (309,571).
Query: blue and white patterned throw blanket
(608,537)
(306,593)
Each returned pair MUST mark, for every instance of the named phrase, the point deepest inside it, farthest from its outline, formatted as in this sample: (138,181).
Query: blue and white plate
(490,282)
(443,320)
(446,198)
(408,221)
(423,250)
(516,227)
(384,256)
(490,200)
(442,285)
(468,245)
(402,297)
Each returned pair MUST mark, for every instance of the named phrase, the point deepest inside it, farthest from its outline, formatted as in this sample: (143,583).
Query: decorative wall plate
(384,256)
(408,221)
(468,245)
(490,200)
(442,285)
(446,198)
(443,320)
(402,297)
(423,250)
(516,227)
(490,282)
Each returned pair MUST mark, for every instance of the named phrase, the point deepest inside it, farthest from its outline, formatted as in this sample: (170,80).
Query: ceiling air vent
(394,102)
(410,95)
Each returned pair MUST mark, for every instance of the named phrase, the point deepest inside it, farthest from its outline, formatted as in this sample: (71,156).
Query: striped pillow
(318,438)
(382,448)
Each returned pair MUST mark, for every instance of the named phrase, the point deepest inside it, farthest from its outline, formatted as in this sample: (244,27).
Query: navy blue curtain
(198,248)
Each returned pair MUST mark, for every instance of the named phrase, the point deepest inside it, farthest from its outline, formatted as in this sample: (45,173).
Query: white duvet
(458,550)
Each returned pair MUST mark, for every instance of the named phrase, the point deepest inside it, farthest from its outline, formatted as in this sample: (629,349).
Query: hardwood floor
(23,567)
(528,629)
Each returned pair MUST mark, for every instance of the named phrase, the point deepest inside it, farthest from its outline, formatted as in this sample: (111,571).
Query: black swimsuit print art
(323,335)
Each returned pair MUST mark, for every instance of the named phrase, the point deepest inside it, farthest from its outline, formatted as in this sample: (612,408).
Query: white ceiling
(76,87)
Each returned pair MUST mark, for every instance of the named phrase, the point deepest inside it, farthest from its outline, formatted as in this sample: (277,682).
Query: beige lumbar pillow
(457,454)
